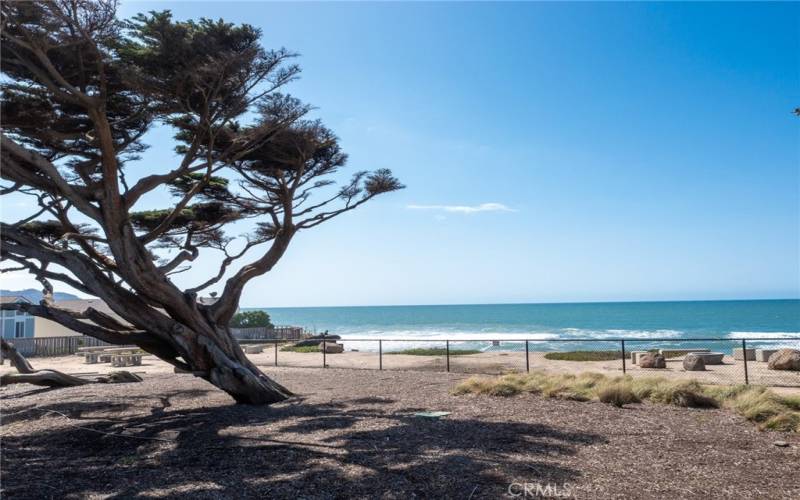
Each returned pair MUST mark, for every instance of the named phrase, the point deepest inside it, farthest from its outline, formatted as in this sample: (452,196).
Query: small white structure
(764,354)
(16,324)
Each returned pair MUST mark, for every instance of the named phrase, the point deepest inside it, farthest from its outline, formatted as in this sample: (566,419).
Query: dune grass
(755,403)
(584,355)
(304,348)
(435,351)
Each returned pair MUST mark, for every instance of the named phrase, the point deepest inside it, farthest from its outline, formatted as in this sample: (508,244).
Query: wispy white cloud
(465,209)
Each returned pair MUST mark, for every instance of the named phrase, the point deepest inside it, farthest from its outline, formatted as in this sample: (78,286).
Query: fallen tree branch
(17,360)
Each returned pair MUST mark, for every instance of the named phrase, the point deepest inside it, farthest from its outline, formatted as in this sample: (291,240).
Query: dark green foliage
(213,189)
(179,63)
(52,230)
(584,355)
(62,126)
(300,348)
(198,216)
(251,319)
(435,351)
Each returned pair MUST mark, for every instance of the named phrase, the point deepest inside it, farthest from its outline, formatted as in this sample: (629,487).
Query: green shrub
(435,351)
(304,348)
(584,355)
(251,319)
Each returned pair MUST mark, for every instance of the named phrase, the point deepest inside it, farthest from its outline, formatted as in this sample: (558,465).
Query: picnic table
(117,356)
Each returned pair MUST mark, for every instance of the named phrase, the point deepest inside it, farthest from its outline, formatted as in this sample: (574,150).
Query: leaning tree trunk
(217,358)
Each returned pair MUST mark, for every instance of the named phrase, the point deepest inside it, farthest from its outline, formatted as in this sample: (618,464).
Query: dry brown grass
(757,404)
(617,394)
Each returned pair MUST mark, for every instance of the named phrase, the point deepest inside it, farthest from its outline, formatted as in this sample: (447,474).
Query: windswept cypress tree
(80,90)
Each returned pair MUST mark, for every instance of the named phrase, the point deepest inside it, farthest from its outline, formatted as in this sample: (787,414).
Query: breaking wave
(396,340)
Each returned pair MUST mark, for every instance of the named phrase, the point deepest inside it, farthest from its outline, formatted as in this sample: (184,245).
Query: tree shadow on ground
(294,449)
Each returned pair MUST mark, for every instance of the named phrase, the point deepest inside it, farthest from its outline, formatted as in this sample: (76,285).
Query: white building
(46,328)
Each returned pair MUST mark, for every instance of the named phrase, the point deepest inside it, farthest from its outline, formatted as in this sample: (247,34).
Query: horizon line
(531,303)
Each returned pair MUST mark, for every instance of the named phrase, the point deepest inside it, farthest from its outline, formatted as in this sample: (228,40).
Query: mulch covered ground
(353,433)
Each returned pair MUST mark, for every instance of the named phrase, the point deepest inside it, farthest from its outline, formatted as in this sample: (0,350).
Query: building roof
(76,305)
(80,305)
(9,299)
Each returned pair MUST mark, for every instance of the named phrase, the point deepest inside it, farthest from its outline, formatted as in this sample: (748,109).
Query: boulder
(316,340)
(785,359)
(332,347)
(652,360)
(694,364)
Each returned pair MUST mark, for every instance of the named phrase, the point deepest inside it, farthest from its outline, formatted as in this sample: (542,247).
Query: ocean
(556,326)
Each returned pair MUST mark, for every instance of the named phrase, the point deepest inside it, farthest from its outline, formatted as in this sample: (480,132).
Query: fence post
(380,354)
(527,358)
(744,356)
(276,352)
(623,355)
(447,353)
(324,354)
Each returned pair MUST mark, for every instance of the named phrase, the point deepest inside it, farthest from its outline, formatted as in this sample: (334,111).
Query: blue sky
(597,151)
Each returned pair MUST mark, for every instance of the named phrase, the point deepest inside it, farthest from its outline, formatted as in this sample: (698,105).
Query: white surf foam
(395,340)
(398,340)
(764,335)
(782,339)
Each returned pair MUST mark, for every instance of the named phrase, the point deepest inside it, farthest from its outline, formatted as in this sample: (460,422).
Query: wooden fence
(263,332)
(62,346)
(54,346)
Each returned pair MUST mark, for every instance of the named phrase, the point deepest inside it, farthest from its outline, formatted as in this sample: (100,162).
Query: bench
(94,355)
(121,350)
(81,351)
(739,354)
(119,360)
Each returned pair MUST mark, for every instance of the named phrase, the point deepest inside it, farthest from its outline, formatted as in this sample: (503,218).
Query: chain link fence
(725,361)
